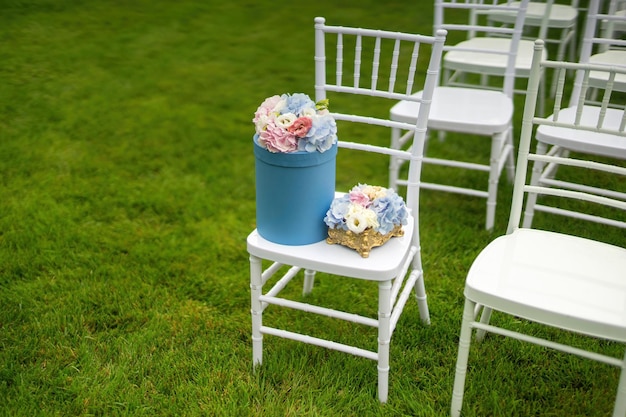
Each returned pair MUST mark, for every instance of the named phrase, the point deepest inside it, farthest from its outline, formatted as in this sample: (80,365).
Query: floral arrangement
(293,122)
(367,207)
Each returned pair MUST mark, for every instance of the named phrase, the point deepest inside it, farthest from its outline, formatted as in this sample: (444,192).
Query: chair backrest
(599,32)
(383,65)
(612,24)
(595,123)
(543,23)
(464,20)
(598,37)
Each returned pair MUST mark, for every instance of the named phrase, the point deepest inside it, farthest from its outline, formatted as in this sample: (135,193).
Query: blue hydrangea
(297,103)
(321,136)
(390,211)
(335,214)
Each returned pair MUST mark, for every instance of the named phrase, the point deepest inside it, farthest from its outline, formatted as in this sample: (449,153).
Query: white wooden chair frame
(555,279)
(396,266)
(498,128)
(558,142)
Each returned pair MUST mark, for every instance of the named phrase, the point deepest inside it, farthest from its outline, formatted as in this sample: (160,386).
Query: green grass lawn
(127,192)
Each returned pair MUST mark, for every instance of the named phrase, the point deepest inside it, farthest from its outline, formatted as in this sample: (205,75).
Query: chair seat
(612,57)
(561,15)
(559,280)
(586,141)
(460,109)
(490,63)
(384,262)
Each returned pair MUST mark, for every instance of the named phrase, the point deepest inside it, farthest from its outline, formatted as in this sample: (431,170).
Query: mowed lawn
(126,195)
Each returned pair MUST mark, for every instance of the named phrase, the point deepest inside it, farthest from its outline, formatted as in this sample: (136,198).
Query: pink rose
(301,126)
(358,197)
(275,139)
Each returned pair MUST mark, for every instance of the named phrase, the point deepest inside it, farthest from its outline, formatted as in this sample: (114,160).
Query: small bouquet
(365,217)
(293,123)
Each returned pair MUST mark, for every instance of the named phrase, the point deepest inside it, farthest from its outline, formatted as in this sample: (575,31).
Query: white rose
(285,120)
(261,123)
(359,218)
(356,223)
(370,218)
(309,112)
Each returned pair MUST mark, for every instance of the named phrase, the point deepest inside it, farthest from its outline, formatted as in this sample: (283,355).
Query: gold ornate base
(361,242)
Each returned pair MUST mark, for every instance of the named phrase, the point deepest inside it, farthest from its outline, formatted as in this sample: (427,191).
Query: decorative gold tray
(362,242)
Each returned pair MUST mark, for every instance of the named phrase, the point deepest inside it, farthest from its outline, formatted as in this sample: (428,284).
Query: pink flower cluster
(292,123)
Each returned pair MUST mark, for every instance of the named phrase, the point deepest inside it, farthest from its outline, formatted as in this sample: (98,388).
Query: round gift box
(293,194)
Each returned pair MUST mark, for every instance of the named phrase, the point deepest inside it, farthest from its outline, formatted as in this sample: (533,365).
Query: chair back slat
(339,60)
(358,49)
(558,96)
(376,65)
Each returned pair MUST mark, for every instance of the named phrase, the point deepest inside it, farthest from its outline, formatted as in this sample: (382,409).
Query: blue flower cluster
(322,135)
(364,207)
(297,103)
(390,211)
(336,214)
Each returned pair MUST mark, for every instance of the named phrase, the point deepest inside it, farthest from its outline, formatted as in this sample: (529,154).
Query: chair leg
(384,338)
(420,288)
(422,302)
(510,156)
(498,142)
(256,286)
(541,100)
(446,74)
(462,358)
(571,55)
(620,402)
(484,319)
(309,279)
(560,53)
(484,80)
(538,167)
(564,43)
